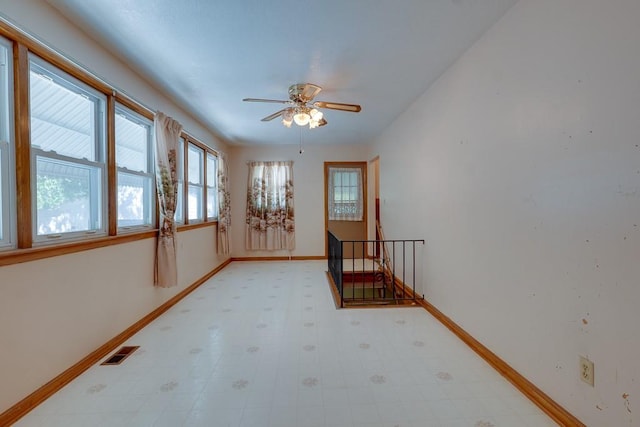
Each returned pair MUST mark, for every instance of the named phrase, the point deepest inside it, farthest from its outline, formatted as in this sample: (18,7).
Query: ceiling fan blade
(338,106)
(309,92)
(273,116)
(276,101)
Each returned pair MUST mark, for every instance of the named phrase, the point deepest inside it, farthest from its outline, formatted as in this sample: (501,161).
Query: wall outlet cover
(586,371)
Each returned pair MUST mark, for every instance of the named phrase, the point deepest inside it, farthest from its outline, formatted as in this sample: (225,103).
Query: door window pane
(346,194)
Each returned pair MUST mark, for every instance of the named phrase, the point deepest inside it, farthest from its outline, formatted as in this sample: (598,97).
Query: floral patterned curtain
(224,205)
(270,221)
(167,132)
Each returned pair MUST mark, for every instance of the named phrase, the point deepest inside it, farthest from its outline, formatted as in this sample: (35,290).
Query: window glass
(346,194)
(7,215)
(195,164)
(180,177)
(67,141)
(196,187)
(133,136)
(3,204)
(212,188)
(64,196)
(62,116)
(136,204)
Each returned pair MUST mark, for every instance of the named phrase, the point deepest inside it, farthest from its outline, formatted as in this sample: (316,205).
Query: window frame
(7,228)
(214,187)
(99,202)
(149,206)
(186,140)
(21,50)
(180,168)
(198,185)
(7,158)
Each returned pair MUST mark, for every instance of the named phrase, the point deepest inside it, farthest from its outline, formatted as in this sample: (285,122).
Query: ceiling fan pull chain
(301,150)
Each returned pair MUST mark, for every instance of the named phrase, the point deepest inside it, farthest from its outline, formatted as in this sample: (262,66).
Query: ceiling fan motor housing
(303,92)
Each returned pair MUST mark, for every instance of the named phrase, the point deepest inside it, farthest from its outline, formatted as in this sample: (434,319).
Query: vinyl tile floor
(262,344)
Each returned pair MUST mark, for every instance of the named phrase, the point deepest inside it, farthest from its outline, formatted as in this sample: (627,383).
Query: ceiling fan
(301,109)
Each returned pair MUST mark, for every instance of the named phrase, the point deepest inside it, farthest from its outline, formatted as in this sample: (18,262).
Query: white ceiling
(208,55)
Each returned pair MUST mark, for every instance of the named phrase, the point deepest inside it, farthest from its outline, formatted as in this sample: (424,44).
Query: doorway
(345,204)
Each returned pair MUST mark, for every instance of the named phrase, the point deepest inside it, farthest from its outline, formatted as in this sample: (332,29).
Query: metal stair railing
(389,278)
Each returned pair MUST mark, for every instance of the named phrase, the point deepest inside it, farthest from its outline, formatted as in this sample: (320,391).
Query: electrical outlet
(586,371)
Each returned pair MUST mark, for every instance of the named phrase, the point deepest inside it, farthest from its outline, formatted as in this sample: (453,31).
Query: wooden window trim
(22,132)
(23,45)
(205,213)
(112,173)
(134,106)
(188,139)
(207,186)
(207,150)
(31,254)
(17,256)
(130,114)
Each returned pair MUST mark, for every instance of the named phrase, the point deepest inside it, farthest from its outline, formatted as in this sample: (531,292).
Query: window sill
(16,256)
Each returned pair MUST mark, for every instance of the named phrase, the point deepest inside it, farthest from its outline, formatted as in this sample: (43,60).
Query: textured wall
(521,169)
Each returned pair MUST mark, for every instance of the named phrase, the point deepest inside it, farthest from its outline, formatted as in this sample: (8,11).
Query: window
(134,160)
(68,154)
(212,187)
(180,178)
(345,194)
(7,226)
(196,183)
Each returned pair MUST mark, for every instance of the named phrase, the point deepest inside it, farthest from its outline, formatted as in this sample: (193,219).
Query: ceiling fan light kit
(301,111)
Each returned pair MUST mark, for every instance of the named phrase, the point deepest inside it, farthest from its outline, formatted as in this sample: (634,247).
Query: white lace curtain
(345,194)
(270,223)
(224,205)
(167,132)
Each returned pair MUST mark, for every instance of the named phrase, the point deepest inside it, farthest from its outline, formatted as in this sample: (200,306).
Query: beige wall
(308,179)
(350,230)
(521,169)
(55,311)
